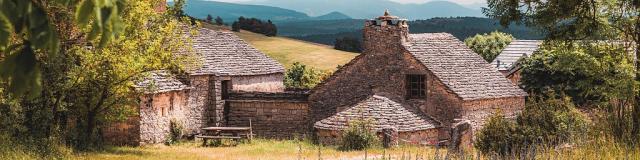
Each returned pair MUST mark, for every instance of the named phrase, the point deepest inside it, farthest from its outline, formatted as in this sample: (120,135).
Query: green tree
(489,45)
(585,20)
(299,76)
(219,21)
(209,18)
(26,33)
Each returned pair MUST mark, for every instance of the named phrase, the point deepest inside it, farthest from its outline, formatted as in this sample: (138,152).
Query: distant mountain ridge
(373,8)
(230,12)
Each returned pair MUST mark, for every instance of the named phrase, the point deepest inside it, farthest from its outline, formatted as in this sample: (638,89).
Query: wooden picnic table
(219,133)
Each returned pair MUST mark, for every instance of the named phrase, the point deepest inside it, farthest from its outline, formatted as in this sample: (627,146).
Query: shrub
(358,136)
(546,120)
(489,45)
(497,136)
(303,77)
(176,132)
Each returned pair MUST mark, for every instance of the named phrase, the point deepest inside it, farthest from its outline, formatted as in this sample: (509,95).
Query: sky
(464,2)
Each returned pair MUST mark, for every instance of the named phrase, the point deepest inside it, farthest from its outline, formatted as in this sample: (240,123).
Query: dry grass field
(287,51)
(258,150)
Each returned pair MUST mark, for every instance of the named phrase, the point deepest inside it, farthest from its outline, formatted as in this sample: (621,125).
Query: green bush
(358,136)
(490,45)
(175,133)
(303,77)
(546,120)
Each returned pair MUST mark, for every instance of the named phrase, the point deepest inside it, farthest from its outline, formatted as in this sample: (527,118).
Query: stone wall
(515,77)
(152,124)
(199,99)
(272,115)
(478,111)
(259,83)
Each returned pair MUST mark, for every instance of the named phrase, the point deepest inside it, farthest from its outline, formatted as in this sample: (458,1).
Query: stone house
(434,73)
(506,61)
(198,100)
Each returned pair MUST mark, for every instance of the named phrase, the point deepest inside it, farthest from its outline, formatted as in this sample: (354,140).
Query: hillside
(327,31)
(287,51)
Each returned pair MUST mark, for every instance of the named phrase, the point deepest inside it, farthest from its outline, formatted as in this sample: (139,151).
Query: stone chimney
(385,34)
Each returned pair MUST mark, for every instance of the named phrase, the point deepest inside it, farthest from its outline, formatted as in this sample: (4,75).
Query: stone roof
(513,52)
(160,81)
(384,113)
(225,54)
(459,68)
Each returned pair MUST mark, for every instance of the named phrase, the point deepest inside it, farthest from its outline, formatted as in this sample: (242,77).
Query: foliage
(89,85)
(489,46)
(610,20)
(219,21)
(358,136)
(299,76)
(26,32)
(176,131)
(497,136)
(590,73)
(348,44)
(256,26)
(546,120)
(209,18)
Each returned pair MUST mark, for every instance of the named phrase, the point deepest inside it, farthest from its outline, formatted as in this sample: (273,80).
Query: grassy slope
(287,51)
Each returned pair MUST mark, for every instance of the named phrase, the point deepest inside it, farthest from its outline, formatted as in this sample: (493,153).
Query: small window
(415,86)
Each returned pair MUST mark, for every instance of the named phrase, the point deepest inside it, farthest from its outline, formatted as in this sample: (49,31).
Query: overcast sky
(401,1)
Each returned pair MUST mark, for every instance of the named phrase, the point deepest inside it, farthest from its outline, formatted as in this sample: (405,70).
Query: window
(226,86)
(415,86)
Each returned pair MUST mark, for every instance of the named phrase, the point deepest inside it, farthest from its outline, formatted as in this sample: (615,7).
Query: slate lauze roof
(160,81)
(225,54)
(384,113)
(513,52)
(459,68)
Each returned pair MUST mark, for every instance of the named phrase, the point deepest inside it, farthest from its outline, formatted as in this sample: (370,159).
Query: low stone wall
(479,111)
(272,115)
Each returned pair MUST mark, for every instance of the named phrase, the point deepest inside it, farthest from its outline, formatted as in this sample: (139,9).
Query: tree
(299,76)
(26,32)
(235,27)
(210,18)
(92,84)
(489,45)
(219,21)
(585,20)
(348,44)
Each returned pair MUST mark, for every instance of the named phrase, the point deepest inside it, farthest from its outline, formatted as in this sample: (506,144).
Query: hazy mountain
(373,8)
(231,11)
(332,16)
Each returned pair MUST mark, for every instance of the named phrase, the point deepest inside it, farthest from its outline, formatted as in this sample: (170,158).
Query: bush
(490,45)
(546,120)
(496,136)
(176,132)
(299,76)
(358,136)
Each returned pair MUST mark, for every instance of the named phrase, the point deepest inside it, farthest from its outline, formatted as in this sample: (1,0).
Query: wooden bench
(220,133)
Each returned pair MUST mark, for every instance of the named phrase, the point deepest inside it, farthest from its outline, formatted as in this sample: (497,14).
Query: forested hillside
(327,31)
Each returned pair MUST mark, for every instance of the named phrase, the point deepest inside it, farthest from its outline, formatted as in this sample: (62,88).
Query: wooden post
(250,131)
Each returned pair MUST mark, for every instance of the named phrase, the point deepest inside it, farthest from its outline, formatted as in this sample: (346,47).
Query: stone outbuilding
(434,73)
(410,124)
(198,99)
(164,100)
(506,61)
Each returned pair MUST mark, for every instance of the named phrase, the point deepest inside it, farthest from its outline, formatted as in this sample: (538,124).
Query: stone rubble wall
(478,111)
(272,115)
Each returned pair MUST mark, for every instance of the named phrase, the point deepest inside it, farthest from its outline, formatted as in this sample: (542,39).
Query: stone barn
(201,98)
(433,73)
